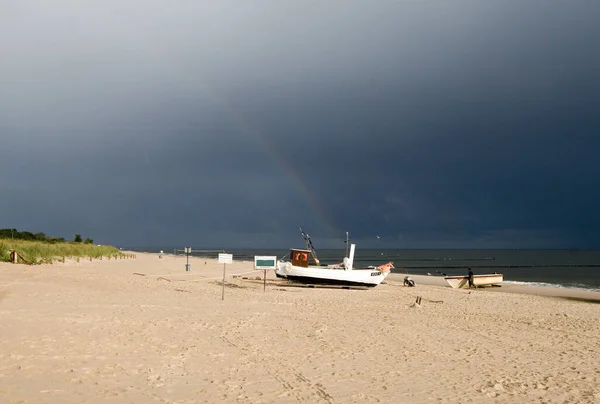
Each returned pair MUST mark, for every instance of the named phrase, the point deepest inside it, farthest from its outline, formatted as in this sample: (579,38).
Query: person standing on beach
(471,285)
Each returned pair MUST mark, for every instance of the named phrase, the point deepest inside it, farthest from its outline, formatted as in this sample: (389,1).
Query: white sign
(265,262)
(225,258)
(188,250)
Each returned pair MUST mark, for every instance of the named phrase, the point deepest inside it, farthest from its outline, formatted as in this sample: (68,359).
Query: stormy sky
(409,124)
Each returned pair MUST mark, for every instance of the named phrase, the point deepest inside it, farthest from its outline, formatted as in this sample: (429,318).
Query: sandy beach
(143,331)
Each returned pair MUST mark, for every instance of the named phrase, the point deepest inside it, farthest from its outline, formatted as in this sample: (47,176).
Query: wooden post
(78,260)
(223,291)
(90,259)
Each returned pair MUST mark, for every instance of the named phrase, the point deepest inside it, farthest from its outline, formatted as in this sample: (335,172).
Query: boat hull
(478,280)
(321,275)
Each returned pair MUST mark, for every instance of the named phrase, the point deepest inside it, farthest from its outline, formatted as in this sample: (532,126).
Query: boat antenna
(309,246)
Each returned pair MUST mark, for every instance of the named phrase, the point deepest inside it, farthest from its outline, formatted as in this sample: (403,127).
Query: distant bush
(78,238)
(14,234)
(9,233)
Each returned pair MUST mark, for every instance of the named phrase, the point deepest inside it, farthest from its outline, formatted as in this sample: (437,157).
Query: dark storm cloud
(427,123)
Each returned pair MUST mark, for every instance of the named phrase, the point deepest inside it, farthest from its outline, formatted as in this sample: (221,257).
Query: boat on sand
(478,280)
(298,269)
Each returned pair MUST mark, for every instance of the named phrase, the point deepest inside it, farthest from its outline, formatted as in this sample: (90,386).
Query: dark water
(559,268)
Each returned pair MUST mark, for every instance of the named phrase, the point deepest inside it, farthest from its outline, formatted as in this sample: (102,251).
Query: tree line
(29,236)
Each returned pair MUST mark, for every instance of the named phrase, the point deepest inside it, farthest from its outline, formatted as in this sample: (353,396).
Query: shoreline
(556,278)
(433,280)
(547,291)
(575,294)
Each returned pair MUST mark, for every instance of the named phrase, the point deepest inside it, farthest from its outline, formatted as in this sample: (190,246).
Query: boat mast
(346,245)
(309,246)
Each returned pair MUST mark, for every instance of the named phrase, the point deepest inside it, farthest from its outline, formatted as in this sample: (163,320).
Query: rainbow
(152,47)
(312,201)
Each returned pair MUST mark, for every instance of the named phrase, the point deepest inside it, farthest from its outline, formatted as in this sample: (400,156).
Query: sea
(579,269)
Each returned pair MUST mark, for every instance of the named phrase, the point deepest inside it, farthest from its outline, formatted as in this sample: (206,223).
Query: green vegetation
(14,234)
(40,249)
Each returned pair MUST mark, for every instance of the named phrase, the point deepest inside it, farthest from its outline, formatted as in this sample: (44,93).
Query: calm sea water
(557,268)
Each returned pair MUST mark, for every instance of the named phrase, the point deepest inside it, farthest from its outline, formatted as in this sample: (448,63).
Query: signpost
(264,263)
(188,251)
(224,259)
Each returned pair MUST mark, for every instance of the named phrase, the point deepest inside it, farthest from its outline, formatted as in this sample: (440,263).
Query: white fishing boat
(298,269)
(478,280)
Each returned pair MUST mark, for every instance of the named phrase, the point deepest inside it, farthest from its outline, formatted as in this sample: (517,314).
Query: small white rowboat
(478,280)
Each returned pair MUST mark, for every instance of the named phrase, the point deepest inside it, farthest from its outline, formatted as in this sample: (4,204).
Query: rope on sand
(163,276)
(219,277)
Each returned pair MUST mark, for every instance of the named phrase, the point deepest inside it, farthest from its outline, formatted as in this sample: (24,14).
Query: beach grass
(42,252)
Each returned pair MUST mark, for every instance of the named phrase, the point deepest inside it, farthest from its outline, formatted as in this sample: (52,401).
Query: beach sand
(93,332)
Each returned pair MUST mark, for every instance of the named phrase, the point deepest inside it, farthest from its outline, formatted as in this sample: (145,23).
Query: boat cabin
(299,258)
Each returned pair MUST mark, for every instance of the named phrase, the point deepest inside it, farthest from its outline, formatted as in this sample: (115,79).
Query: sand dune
(93,332)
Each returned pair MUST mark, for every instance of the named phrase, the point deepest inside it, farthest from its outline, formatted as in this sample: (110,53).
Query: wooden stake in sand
(14,258)
(188,251)
(224,259)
